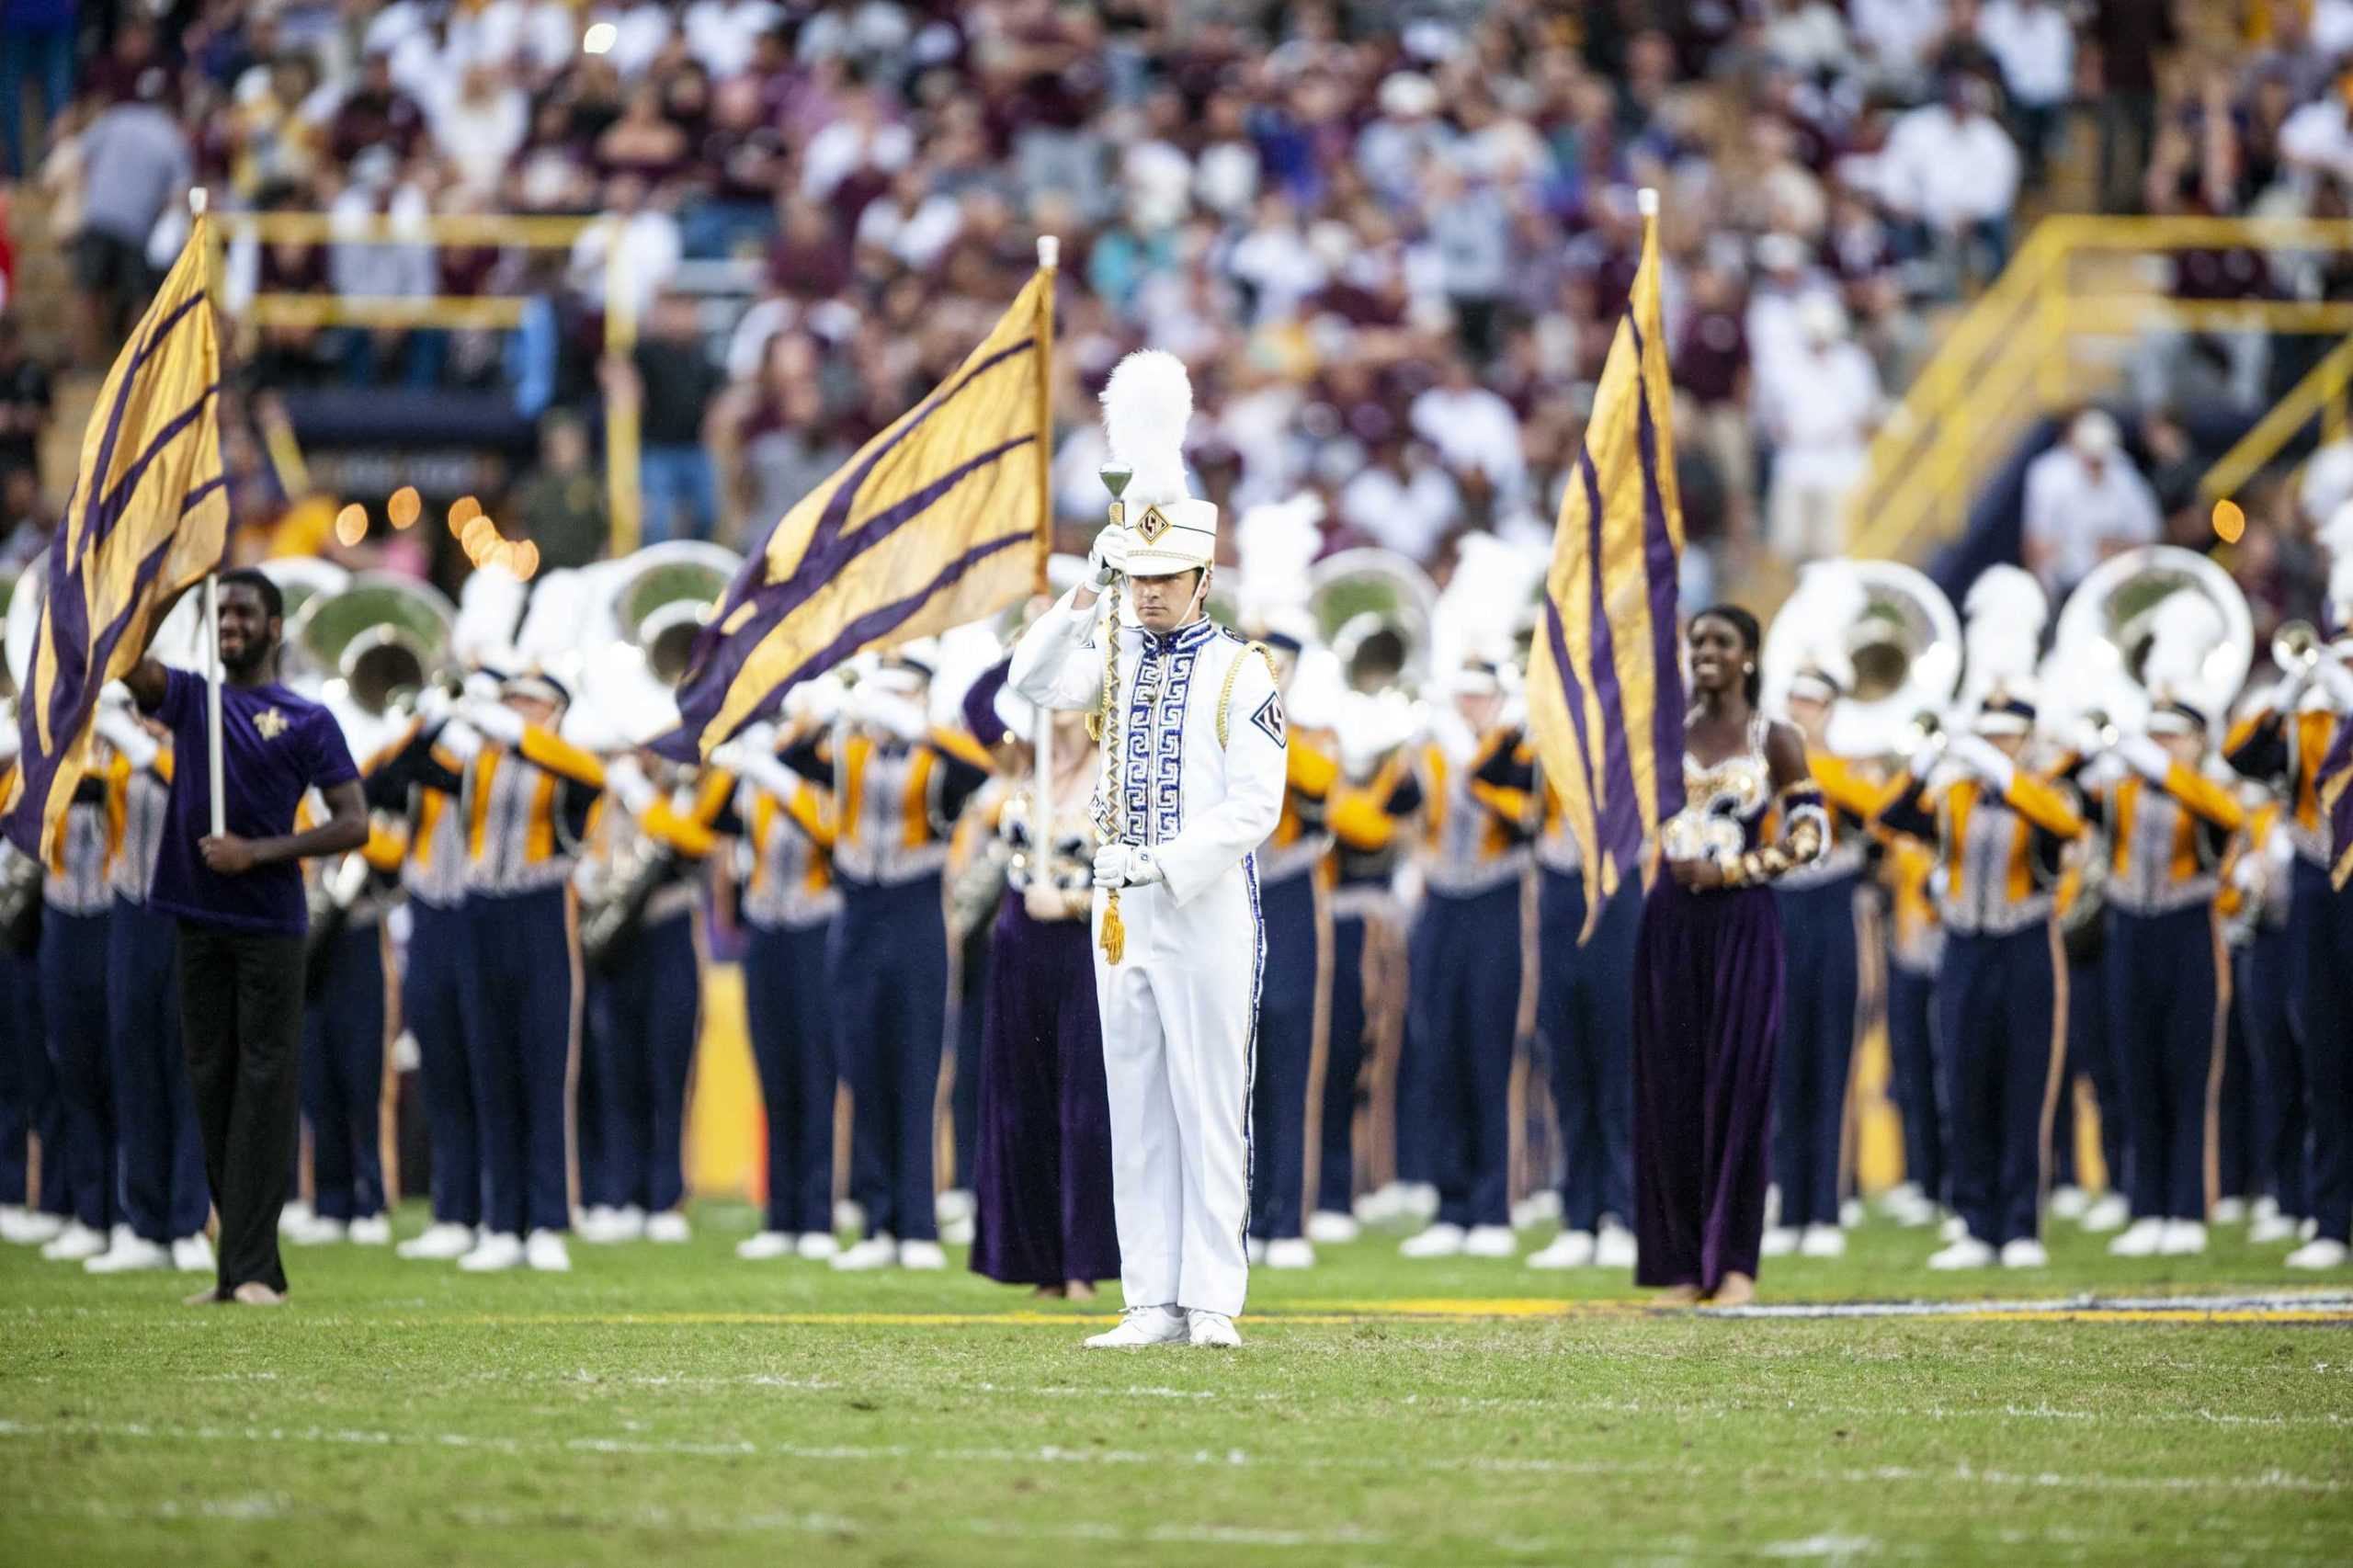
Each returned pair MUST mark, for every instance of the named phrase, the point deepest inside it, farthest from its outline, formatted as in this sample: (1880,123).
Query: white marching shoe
(2320,1253)
(128,1252)
(1488,1241)
(1211,1331)
(2142,1238)
(2182,1238)
(1290,1252)
(1570,1249)
(1908,1206)
(817,1246)
(546,1251)
(670,1228)
(1536,1209)
(2230,1212)
(375,1231)
(318,1231)
(766,1245)
(593,1224)
(2025,1252)
(2108,1212)
(2068,1202)
(77,1242)
(31,1227)
(2267,1229)
(1966,1252)
(12,1223)
(1778,1241)
(442,1240)
(874,1252)
(293,1215)
(1953,1229)
(1614,1247)
(1823,1241)
(193,1255)
(1329,1227)
(1141,1326)
(922,1254)
(1440,1240)
(496,1250)
(958,1213)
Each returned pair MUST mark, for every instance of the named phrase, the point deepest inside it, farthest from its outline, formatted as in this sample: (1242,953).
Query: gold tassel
(1114,937)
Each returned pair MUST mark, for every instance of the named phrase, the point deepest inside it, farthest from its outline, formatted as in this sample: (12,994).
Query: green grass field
(671,1405)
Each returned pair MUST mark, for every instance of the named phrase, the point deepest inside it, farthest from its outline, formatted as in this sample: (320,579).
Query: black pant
(241,1013)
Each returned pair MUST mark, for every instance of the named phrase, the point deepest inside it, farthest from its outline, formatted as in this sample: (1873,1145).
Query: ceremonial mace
(1113,939)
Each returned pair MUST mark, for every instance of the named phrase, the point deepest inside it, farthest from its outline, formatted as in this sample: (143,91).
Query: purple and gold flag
(943,519)
(1604,684)
(2334,787)
(149,517)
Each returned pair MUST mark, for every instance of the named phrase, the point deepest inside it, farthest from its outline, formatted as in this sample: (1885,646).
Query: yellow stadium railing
(2041,340)
(460,313)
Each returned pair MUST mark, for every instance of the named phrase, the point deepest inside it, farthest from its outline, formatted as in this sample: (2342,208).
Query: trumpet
(1925,728)
(2296,647)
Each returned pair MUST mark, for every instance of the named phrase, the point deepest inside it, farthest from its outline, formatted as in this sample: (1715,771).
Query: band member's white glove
(1125,865)
(628,784)
(731,757)
(481,686)
(495,722)
(1108,558)
(1924,761)
(120,730)
(815,701)
(460,740)
(1978,756)
(2332,676)
(434,703)
(2143,756)
(2103,771)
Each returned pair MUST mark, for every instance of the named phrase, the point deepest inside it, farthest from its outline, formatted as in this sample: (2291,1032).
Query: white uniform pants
(1179,1016)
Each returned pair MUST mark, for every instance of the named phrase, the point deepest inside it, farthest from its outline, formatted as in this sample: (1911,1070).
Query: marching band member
(2283,742)
(1585,1002)
(344,1031)
(1286,1092)
(2167,986)
(646,988)
(900,783)
(1819,943)
(1042,1157)
(1194,752)
(77,897)
(1463,1014)
(1915,948)
(31,1212)
(1997,830)
(165,1200)
(433,880)
(786,827)
(1370,814)
(525,795)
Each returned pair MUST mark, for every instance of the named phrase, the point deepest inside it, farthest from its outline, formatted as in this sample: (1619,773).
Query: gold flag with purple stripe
(942,520)
(2333,785)
(148,518)
(1604,682)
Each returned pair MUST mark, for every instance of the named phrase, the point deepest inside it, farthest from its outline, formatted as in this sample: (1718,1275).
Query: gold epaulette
(1225,698)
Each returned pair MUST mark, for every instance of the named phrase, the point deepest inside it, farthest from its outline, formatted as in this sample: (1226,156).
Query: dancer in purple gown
(1041,1170)
(1707,977)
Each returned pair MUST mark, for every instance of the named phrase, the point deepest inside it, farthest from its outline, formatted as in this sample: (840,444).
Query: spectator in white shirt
(913,223)
(2317,140)
(2035,45)
(1788,280)
(2328,481)
(1403,500)
(2085,501)
(1473,429)
(1820,407)
(1895,37)
(721,33)
(480,128)
(649,241)
(1953,173)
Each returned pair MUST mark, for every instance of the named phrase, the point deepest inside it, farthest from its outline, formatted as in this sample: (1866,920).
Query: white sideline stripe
(2319,1300)
(2272,1479)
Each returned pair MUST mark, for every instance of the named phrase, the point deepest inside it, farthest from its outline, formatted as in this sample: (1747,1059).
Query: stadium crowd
(1395,239)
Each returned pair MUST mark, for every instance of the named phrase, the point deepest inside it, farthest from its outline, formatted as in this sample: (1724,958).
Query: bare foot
(1047,1293)
(1680,1295)
(1080,1289)
(1737,1291)
(253,1293)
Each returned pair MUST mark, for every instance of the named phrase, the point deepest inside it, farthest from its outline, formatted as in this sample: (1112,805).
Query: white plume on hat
(959,657)
(489,606)
(2006,609)
(1277,542)
(2184,628)
(1476,614)
(1146,406)
(1828,603)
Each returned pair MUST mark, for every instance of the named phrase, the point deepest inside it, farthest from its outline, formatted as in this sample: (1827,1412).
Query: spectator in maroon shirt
(1712,371)
(809,259)
(375,113)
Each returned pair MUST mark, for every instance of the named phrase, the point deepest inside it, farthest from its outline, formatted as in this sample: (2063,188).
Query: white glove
(2143,756)
(113,696)
(888,711)
(2103,771)
(817,701)
(1108,558)
(731,756)
(434,703)
(1123,866)
(460,740)
(2333,678)
(628,784)
(482,686)
(1924,762)
(120,730)
(495,722)
(1978,755)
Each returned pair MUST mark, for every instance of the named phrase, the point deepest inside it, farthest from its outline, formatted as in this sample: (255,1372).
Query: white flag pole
(213,682)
